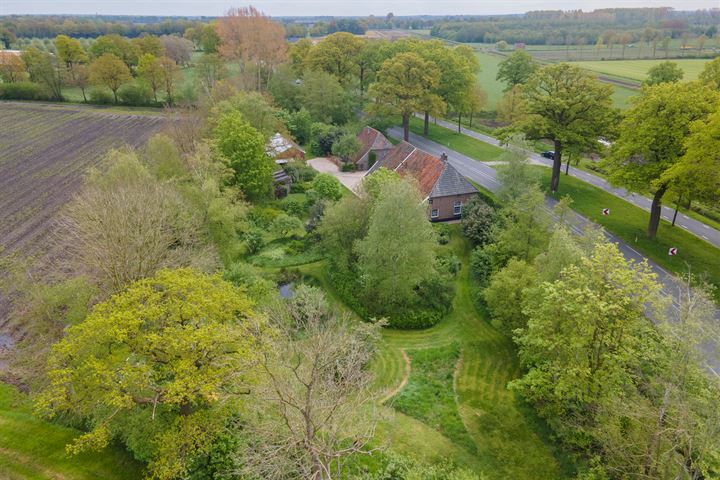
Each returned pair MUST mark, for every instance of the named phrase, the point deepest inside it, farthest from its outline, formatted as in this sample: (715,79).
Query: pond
(286,289)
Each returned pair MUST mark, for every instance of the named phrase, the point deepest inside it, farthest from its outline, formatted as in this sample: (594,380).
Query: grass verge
(457,141)
(33,449)
(629,223)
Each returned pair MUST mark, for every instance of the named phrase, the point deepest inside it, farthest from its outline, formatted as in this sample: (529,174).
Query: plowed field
(44,152)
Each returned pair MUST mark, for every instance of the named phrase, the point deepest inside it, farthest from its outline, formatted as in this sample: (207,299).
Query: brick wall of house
(445,206)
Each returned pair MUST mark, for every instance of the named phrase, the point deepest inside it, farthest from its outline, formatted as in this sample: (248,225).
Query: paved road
(693,226)
(486,176)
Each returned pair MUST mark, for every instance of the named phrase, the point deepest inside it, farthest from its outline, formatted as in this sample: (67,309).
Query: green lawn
(429,394)
(629,223)
(457,141)
(509,439)
(637,69)
(31,449)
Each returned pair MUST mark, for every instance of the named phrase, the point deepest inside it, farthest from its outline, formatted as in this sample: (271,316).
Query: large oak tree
(405,84)
(652,138)
(566,105)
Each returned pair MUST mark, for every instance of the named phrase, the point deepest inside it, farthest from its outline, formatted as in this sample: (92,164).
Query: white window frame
(434,213)
(457,207)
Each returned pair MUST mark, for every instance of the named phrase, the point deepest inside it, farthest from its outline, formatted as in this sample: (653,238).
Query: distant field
(44,151)
(637,69)
(638,50)
(486,77)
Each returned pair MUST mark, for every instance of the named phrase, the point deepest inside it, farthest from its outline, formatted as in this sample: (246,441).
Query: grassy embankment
(629,223)
(455,403)
(31,449)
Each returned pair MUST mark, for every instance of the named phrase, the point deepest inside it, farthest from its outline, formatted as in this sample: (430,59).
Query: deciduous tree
(43,68)
(125,225)
(252,38)
(114,44)
(565,104)
(148,365)
(337,54)
(516,69)
(12,68)
(652,138)
(710,74)
(397,253)
(243,148)
(109,71)
(318,407)
(69,50)
(150,72)
(478,219)
(582,343)
(405,85)
(664,72)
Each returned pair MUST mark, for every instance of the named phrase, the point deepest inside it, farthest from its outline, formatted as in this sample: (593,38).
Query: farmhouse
(282,149)
(373,148)
(444,189)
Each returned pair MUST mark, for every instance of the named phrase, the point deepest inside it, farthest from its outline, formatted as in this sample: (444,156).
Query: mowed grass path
(630,224)
(31,449)
(637,69)
(510,441)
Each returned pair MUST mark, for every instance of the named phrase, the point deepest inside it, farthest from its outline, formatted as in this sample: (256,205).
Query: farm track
(44,153)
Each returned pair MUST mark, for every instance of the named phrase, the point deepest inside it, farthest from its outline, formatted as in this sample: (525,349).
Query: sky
(328,7)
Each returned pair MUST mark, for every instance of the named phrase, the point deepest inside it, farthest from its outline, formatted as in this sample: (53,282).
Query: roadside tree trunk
(567,165)
(459,122)
(406,126)
(557,165)
(677,207)
(426,125)
(656,211)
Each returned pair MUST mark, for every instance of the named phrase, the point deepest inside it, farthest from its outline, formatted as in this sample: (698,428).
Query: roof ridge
(408,156)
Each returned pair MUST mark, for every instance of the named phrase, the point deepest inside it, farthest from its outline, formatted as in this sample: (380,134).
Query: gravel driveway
(350,179)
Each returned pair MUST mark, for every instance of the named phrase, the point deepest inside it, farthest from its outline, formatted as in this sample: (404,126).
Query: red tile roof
(370,138)
(407,160)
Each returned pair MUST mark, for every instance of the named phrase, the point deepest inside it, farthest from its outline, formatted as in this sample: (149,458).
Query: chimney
(444,157)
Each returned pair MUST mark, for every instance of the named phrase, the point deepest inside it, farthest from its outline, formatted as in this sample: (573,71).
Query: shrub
(134,94)
(477,221)
(21,91)
(100,96)
(294,208)
(299,172)
(444,233)
(504,295)
(414,319)
(254,241)
(327,187)
(295,247)
(481,266)
(285,225)
(449,263)
(263,217)
(323,138)
(348,167)
(298,188)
